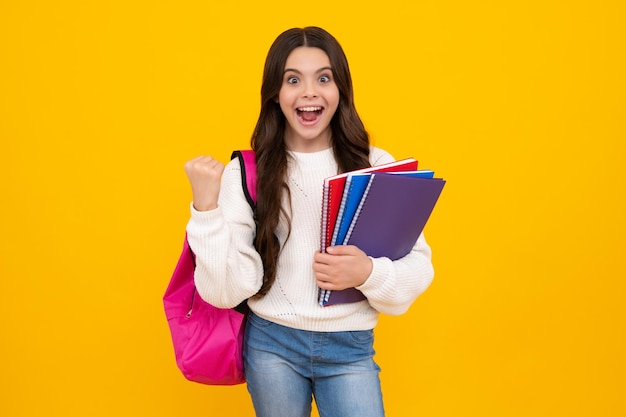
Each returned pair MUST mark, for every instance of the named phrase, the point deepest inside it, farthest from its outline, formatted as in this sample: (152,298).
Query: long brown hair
(349,138)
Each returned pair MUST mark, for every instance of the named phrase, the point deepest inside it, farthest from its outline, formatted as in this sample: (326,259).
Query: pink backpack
(208,341)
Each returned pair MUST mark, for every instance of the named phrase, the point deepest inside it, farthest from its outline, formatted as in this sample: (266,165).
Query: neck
(306,145)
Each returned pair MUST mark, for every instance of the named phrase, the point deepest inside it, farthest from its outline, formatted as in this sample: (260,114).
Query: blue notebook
(352,192)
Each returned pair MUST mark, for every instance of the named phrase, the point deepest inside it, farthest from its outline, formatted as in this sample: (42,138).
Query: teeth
(309,108)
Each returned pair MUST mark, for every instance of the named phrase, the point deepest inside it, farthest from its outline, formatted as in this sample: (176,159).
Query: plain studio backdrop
(519,105)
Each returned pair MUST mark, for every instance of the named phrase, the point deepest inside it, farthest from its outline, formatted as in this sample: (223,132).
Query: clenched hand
(204,175)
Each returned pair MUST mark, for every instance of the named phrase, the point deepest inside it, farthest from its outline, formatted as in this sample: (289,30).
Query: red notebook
(333,191)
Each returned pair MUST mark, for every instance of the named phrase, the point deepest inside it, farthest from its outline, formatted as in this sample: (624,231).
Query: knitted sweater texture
(229,270)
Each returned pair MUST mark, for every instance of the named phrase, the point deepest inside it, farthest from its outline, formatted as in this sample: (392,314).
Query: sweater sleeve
(392,286)
(228,268)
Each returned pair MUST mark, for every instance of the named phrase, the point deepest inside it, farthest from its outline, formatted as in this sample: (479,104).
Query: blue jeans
(286,368)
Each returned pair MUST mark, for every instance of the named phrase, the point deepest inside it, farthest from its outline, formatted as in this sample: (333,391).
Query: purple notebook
(391,216)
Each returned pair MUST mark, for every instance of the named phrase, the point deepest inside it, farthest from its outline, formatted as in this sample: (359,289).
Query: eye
(324,79)
(292,80)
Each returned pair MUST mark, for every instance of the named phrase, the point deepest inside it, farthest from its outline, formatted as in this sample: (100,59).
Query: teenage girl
(295,350)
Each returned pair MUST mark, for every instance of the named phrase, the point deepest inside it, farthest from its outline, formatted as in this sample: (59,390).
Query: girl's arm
(392,286)
(228,268)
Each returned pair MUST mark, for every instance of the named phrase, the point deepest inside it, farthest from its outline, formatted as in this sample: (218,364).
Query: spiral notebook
(390,216)
(333,191)
(352,193)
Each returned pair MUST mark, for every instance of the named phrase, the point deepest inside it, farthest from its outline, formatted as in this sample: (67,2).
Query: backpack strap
(247,161)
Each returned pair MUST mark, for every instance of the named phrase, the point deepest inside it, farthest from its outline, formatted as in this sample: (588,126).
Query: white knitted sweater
(229,270)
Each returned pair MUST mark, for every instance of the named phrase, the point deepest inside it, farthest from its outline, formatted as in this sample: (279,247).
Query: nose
(310,89)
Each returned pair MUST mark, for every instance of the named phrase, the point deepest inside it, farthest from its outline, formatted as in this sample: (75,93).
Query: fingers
(343,250)
(342,267)
(204,166)
(204,174)
(324,271)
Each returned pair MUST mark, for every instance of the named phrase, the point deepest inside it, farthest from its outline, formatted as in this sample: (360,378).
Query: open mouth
(309,114)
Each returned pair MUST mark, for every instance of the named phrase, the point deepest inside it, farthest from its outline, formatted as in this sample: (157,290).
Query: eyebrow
(299,72)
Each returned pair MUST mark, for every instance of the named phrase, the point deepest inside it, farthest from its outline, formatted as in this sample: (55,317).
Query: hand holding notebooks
(389,218)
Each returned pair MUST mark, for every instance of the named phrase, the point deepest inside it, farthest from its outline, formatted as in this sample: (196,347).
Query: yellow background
(520,105)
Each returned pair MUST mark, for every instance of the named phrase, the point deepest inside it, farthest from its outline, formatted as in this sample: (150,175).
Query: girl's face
(308,98)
